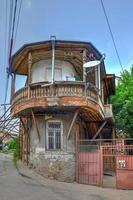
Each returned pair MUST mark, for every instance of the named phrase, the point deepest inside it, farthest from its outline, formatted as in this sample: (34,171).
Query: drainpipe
(53,38)
(99,73)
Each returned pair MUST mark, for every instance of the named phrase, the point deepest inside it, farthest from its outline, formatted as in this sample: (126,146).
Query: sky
(81,20)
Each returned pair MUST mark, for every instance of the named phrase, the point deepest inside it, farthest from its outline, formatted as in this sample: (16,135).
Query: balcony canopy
(71,51)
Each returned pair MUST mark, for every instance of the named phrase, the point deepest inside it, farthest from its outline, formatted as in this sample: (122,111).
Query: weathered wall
(60,164)
(41,71)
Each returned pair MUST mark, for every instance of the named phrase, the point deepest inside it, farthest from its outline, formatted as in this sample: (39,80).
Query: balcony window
(54,135)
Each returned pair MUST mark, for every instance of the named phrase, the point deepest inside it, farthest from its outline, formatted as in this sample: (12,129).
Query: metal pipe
(96,76)
(53,38)
(99,73)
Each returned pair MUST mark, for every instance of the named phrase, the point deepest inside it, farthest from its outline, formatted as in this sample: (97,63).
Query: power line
(111,33)
(5,45)
(6,58)
(6,27)
(12,19)
(12,33)
(19,11)
(10,25)
(8,45)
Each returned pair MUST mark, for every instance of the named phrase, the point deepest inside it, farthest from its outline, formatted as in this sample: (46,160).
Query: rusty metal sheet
(89,169)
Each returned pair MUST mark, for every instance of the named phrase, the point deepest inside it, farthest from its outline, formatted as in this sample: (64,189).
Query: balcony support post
(53,38)
(72,123)
(84,61)
(99,130)
(29,72)
(13,85)
(36,125)
(27,138)
(96,76)
(113,132)
(84,70)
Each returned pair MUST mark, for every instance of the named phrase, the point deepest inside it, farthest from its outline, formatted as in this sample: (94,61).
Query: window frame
(47,136)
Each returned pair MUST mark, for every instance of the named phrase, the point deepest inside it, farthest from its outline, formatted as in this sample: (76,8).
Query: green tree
(123,103)
(14,146)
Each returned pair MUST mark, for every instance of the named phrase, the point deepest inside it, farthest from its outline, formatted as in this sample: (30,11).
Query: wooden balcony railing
(56,90)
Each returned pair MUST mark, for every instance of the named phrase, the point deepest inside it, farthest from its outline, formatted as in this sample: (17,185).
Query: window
(54,130)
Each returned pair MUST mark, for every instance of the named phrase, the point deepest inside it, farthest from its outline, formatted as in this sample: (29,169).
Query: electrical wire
(111,33)
(17,24)
(5,46)
(10,24)
(6,60)
(12,33)
(8,124)
(6,27)
(12,20)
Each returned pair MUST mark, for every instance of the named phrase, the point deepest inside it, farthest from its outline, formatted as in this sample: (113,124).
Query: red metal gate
(89,165)
(120,156)
(105,164)
(124,168)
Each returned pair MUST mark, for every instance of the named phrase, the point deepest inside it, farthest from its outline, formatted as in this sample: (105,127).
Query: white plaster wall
(41,71)
(37,148)
(35,145)
(59,164)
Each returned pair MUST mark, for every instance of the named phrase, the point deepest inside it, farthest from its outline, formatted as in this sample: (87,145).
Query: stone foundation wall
(55,165)
(59,165)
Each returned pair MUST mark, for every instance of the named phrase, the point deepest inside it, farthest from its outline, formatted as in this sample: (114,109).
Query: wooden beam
(13,85)
(113,133)
(99,130)
(34,120)
(23,125)
(29,67)
(84,61)
(29,72)
(72,123)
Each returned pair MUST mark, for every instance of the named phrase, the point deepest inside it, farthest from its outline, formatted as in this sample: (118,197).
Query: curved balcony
(60,94)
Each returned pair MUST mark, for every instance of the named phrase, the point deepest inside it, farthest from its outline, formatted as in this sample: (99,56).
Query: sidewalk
(78,191)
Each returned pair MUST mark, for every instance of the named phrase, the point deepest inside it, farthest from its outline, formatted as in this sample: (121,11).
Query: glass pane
(57,139)
(50,140)
(54,125)
(54,135)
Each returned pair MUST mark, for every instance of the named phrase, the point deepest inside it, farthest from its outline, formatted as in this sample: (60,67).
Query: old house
(60,103)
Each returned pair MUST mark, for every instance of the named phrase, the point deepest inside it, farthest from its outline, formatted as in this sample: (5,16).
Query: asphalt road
(13,186)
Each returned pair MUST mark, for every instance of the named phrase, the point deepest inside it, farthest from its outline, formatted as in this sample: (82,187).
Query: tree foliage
(123,103)
(14,145)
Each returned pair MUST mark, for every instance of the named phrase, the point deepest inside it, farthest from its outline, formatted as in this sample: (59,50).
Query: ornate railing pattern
(57,90)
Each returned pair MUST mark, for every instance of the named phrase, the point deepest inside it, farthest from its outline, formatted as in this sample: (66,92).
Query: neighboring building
(60,103)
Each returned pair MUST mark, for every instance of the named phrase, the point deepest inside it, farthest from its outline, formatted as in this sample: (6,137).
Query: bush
(14,146)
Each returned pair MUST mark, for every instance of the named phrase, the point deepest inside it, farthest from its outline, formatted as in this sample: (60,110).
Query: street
(14,186)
